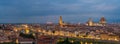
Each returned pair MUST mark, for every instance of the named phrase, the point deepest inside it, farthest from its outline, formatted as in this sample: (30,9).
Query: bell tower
(60,21)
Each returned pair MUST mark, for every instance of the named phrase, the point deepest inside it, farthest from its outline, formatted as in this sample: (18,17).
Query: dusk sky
(41,11)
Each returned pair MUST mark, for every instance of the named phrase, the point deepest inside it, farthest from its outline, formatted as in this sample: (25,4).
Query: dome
(102,19)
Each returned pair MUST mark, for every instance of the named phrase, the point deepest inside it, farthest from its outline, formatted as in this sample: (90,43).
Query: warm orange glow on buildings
(90,22)
(102,22)
(60,21)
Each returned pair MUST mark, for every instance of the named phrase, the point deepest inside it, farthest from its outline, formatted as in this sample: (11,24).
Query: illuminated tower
(90,22)
(60,21)
(102,21)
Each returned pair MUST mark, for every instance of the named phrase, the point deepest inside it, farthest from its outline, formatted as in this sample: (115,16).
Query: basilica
(102,22)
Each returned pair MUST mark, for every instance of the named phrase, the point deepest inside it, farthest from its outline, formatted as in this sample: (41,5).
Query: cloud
(90,1)
(29,10)
(104,7)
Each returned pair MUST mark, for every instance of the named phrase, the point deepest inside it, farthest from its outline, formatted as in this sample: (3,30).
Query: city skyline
(39,11)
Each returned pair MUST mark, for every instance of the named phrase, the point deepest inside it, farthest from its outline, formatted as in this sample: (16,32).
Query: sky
(73,11)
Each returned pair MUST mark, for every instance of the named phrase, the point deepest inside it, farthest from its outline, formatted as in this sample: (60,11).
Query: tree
(76,42)
(66,41)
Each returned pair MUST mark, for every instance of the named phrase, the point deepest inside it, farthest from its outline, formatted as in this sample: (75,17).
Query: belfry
(60,21)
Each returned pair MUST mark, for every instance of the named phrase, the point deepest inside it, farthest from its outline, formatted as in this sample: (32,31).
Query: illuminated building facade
(26,29)
(60,21)
(64,24)
(90,22)
(102,22)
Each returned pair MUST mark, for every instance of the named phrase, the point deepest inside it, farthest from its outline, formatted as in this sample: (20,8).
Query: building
(46,40)
(102,22)
(26,29)
(60,21)
(25,41)
(90,22)
(64,24)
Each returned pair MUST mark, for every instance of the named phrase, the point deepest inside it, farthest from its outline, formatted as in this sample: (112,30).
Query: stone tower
(60,21)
